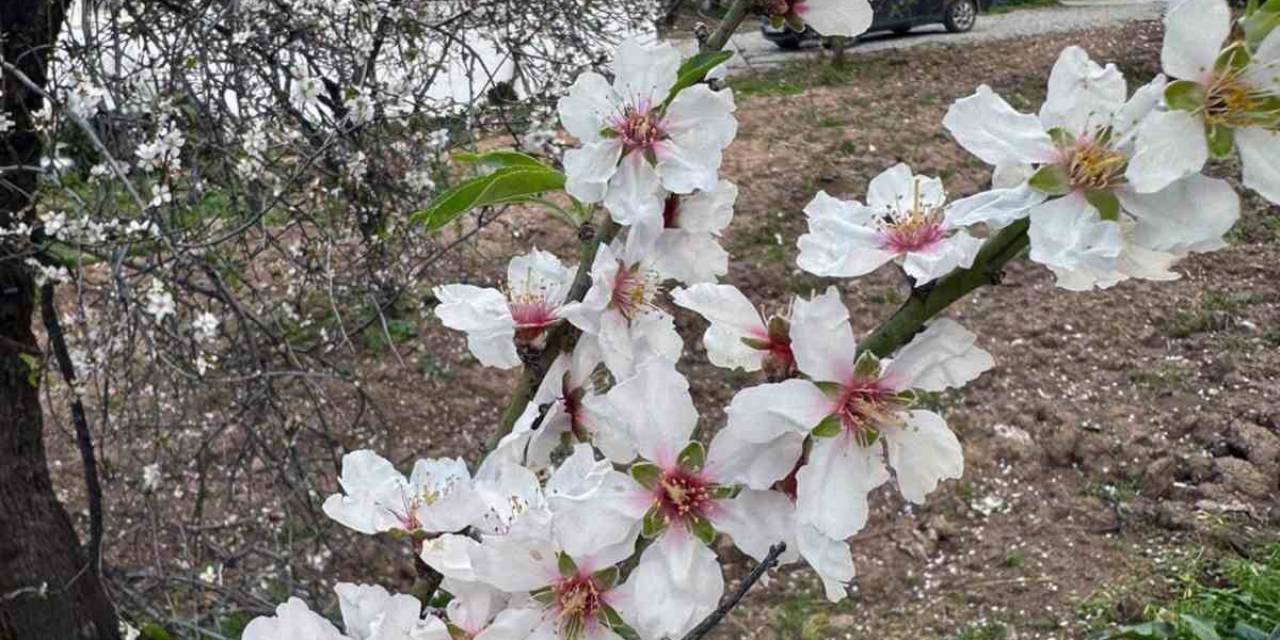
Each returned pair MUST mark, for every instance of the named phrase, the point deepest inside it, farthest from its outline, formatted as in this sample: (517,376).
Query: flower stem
(927,302)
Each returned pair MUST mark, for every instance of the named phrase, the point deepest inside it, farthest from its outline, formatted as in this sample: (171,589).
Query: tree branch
(730,602)
(732,18)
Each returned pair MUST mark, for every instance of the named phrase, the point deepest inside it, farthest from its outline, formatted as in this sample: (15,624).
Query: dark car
(898,16)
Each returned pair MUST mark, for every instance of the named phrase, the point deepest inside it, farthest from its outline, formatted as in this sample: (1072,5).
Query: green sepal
(568,568)
(609,616)
(830,427)
(1221,139)
(398,534)
(1051,179)
(777,22)
(868,436)
(906,397)
(544,596)
(646,473)
(1061,137)
(1106,202)
(1184,95)
(832,389)
(866,366)
(726,491)
(692,457)
(607,578)
(1234,57)
(702,528)
(796,23)
(608,133)
(755,343)
(655,522)
(779,330)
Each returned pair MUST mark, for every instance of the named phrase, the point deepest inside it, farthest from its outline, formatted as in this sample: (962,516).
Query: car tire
(790,41)
(960,16)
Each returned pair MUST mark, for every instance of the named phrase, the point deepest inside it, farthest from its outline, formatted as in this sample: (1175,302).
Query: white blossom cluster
(597,516)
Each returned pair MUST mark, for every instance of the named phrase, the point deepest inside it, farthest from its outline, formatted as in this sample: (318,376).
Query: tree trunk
(48,590)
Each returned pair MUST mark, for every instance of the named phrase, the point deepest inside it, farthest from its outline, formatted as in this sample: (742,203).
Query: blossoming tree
(595,512)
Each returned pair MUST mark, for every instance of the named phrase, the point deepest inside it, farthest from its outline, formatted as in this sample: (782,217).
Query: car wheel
(961,16)
(790,41)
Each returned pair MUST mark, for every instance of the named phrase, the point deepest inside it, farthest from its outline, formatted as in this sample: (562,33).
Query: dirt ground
(1124,436)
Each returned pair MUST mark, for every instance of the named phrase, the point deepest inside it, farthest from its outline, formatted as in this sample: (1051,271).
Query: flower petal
(676,584)
(657,410)
(831,490)
(1194,31)
(1191,214)
(732,318)
(922,453)
(596,521)
(945,256)
(829,557)
(689,257)
(846,18)
(1170,145)
(821,337)
(588,168)
(1261,161)
(897,189)
(943,356)
(588,105)
(1067,234)
(644,73)
(986,126)
(732,459)
(1082,95)
(485,317)
(996,208)
(756,520)
(634,192)
(293,620)
(700,114)
(708,211)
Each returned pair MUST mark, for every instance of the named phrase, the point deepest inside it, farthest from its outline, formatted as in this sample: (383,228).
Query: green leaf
(694,69)
(33,368)
(607,578)
(830,427)
(1106,202)
(867,365)
(1246,631)
(1052,179)
(500,159)
(1200,628)
(646,473)
(704,531)
(153,631)
(692,457)
(568,568)
(833,389)
(1221,140)
(1184,95)
(504,186)
(544,596)
(654,523)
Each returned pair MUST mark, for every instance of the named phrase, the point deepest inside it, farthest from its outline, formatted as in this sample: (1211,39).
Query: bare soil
(1124,435)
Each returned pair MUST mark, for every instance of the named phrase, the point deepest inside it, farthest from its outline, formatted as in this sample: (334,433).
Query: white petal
(1145,102)
(520,561)
(764,412)
(293,621)
(512,624)
(634,192)
(897,189)
(829,557)
(1193,34)
(586,315)
(943,356)
(986,126)
(821,337)
(446,485)
(1082,95)
(1260,155)
(997,208)
(1008,176)
(842,241)
(732,318)
(945,256)
(1066,233)
(372,485)
(708,211)
(676,584)
(836,17)
(541,272)
(588,105)
(688,163)
(756,520)
(587,169)
(831,490)
(485,317)
(596,519)
(369,612)
(923,452)
(1169,145)
(473,604)
(644,74)
(732,459)
(1145,264)
(1264,71)
(656,407)
(450,554)
(1191,214)
(689,257)
(702,115)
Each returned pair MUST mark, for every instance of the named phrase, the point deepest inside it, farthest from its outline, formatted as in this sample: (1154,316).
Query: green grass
(983,631)
(797,619)
(1238,599)
(796,77)
(1215,312)
(1014,5)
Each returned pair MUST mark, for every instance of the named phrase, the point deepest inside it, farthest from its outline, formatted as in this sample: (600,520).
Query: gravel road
(754,51)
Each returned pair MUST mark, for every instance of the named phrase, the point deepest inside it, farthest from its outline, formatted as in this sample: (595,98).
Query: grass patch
(983,631)
(1215,312)
(1238,599)
(796,619)
(1014,5)
(796,77)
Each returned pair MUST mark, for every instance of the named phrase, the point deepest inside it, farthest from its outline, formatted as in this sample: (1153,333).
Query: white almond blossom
(739,336)
(1087,222)
(904,220)
(565,404)
(160,304)
(1224,96)
(497,322)
(828,17)
(620,311)
(858,412)
(437,497)
(369,612)
(637,140)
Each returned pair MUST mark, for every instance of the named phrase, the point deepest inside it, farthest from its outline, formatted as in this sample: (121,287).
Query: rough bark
(48,589)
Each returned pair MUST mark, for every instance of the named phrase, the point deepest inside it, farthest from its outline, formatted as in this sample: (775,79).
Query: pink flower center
(634,290)
(864,407)
(683,496)
(916,232)
(639,127)
(578,602)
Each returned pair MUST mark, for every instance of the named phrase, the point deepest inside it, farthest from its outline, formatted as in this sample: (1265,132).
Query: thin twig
(729,603)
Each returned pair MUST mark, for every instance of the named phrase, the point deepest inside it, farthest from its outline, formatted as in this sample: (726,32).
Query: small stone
(1242,476)
(1157,479)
